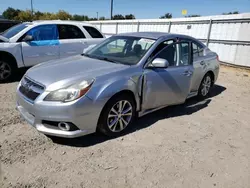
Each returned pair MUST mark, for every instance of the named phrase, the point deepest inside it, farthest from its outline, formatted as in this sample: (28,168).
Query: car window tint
(70,32)
(94,33)
(44,32)
(197,50)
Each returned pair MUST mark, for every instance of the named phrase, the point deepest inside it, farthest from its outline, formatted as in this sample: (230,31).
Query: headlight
(70,93)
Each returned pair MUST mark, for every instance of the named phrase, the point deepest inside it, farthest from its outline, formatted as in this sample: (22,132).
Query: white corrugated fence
(228,35)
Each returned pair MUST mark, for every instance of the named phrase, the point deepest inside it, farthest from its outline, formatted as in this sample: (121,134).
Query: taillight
(217,57)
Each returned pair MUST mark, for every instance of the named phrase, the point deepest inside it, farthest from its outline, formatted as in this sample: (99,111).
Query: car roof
(41,22)
(154,35)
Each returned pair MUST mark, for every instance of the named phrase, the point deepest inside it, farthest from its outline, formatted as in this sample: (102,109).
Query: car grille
(30,89)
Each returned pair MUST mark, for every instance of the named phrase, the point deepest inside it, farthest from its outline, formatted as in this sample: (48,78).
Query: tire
(205,86)
(7,70)
(113,122)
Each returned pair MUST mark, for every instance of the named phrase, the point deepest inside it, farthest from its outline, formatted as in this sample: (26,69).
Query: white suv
(30,43)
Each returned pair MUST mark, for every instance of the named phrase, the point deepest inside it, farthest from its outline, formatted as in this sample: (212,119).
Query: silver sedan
(106,88)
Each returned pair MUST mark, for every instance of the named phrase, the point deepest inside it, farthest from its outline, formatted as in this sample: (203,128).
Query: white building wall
(225,30)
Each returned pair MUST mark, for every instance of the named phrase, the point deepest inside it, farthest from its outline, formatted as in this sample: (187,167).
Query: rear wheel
(205,86)
(117,116)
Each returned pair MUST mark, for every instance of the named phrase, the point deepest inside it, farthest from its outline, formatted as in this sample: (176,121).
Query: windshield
(14,30)
(121,49)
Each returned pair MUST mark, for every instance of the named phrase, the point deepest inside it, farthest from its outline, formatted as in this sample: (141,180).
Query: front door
(171,85)
(43,47)
(71,40)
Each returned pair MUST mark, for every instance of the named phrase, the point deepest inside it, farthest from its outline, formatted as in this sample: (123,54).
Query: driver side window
(44,32)
(177,54)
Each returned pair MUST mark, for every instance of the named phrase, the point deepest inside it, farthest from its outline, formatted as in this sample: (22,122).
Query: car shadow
(191,106)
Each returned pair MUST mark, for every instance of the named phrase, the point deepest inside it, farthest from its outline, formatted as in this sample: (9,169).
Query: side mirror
(160,63)
(28,38)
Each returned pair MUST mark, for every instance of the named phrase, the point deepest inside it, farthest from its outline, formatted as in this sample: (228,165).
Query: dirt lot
(198,144)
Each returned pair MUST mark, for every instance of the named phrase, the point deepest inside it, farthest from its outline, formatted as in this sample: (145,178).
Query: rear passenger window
(70,32)
(197,50)
(94,33)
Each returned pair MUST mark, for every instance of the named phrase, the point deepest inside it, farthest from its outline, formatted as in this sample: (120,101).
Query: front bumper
(83,113)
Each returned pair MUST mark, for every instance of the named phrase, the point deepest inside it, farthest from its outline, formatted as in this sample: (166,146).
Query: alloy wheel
(5,70)
(206,84)
(120,116)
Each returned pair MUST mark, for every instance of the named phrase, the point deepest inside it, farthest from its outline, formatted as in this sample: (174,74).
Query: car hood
(59,73)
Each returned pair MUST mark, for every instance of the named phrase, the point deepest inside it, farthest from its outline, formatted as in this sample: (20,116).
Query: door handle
(202,62)
(187,73)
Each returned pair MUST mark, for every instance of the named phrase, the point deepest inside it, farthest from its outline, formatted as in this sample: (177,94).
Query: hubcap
(119,116)
(206,86)
(5,70)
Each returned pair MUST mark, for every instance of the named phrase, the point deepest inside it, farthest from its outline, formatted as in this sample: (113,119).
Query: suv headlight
(70,93)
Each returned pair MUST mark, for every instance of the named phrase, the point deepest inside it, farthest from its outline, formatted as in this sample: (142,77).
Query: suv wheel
(6,71)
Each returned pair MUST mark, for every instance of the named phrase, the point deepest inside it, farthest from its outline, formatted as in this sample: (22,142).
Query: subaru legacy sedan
(106,88)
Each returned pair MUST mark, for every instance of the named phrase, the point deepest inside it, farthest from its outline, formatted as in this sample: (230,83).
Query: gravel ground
(197,144)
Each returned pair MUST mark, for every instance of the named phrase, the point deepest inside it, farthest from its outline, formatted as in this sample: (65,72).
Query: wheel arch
(126,92)
(9,57)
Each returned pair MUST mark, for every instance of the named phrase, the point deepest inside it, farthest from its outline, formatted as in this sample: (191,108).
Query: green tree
(102,18)
(24,16)
(118,17)
(11,13)
(129,17)
(37,15)
(63,15)
(228,13)
(80,17)
(167,15)
(47,16)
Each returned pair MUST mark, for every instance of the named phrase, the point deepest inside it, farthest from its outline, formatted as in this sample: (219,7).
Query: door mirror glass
(160,63)
(28,38)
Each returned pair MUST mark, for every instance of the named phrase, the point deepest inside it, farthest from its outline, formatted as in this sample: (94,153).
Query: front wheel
(6,71)
(117,116)
(205,86)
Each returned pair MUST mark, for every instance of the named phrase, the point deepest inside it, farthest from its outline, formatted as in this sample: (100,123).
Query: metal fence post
(209,31)
(116,29)
(100,26)
(169,27)
(138,26)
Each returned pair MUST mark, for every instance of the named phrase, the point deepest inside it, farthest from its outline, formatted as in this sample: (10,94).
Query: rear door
(71,40)
(168,86)
(44,47)
(199,63)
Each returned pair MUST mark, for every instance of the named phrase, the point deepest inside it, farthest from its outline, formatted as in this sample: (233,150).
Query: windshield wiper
(100,58)
(84,54)
(105,59)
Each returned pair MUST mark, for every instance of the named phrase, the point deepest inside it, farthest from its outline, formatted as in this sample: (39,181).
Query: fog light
(64,126)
